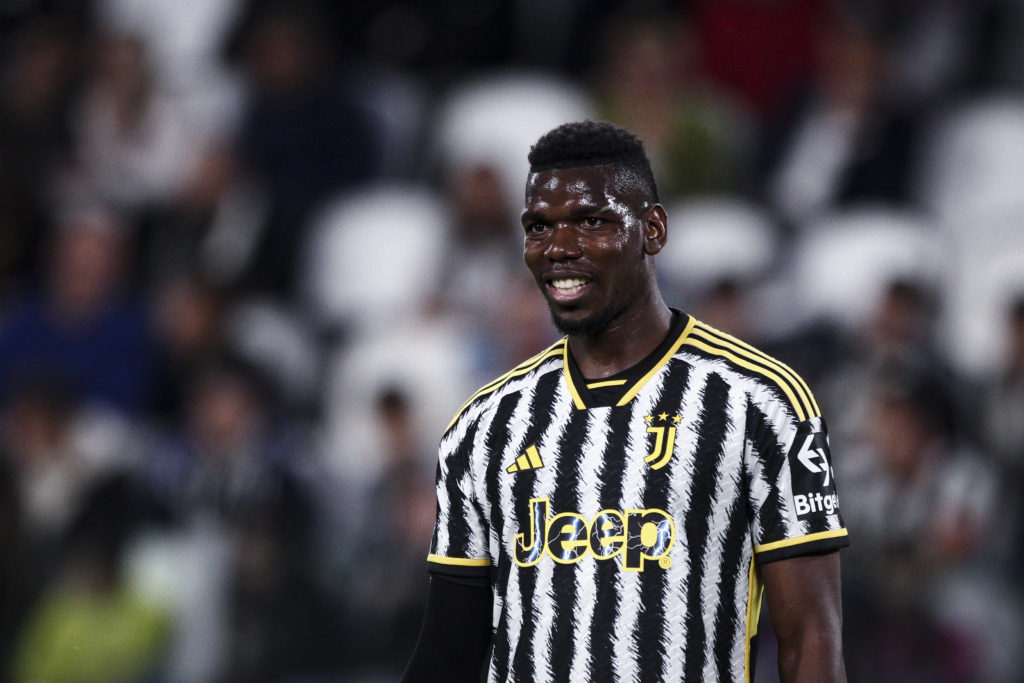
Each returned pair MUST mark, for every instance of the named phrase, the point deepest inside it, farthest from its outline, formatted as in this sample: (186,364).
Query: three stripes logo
(529,460)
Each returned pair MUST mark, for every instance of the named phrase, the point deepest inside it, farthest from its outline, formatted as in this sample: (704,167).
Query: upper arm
(797,529)
(792,492)
(459,545)
(803,597)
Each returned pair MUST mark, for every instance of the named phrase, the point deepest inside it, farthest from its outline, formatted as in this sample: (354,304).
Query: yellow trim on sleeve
(799,540)
(797,405)
(628,396)
(458,561)
(521,369)
(719,337)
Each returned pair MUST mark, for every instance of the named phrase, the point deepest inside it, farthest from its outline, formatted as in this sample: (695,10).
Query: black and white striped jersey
(622,522)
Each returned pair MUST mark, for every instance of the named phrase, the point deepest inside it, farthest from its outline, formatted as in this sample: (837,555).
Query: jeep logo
(638,535)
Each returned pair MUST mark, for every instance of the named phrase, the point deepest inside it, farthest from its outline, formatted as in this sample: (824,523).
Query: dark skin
(596,233)
(803,600)
(583,223)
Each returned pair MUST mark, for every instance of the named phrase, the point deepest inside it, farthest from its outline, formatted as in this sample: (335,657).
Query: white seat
(373,256)
(428,358)
(845,261)
(986,274)
(184,41)
(973,157)
(495,119)
(716,238)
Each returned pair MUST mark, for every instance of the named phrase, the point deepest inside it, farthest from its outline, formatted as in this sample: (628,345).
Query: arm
(456,633)
(804,603)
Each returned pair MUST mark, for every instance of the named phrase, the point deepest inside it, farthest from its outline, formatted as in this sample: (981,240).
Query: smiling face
(590,236)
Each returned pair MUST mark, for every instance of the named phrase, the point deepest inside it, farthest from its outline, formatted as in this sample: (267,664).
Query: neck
(624,342)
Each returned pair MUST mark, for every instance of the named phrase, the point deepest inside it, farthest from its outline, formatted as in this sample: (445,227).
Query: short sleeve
(459,544)
(792,487)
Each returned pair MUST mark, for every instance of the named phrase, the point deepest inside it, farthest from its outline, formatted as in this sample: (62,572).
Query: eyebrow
(589,210)
(530,217)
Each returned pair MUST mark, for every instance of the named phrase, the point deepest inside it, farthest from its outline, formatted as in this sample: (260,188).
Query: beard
(590,325)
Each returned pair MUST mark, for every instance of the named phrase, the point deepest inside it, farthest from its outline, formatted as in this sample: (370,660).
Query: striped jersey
(622,522)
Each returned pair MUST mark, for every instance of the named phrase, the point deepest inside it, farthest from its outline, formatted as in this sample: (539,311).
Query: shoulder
(525,373)
(704,342)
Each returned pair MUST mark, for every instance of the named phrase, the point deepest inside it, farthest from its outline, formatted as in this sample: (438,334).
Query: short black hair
(593,143)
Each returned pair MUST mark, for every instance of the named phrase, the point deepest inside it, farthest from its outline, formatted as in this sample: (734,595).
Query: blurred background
(254,254)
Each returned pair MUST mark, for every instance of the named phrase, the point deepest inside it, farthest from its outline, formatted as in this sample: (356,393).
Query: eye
(534,228)
(593,222)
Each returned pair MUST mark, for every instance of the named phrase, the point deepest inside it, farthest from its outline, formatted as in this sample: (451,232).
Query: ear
(655,229)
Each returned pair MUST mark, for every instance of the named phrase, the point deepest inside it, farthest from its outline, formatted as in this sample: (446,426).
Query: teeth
(568,283)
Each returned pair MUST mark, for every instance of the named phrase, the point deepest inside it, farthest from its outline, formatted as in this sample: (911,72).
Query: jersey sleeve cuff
(458,566)
(811,544)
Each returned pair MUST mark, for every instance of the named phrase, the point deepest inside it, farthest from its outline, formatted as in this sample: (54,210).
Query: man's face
(585,244)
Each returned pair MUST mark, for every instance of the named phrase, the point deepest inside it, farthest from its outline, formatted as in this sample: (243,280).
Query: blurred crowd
(255,253)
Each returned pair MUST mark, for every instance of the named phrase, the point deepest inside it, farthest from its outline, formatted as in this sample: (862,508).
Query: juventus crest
(663,426)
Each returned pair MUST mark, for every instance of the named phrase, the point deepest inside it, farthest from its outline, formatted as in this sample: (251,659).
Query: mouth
(567,289)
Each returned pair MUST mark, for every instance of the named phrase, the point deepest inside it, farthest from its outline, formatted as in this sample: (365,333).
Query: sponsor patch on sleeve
(810,467)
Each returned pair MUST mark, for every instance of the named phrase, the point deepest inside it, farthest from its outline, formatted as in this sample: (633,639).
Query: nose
(563,243)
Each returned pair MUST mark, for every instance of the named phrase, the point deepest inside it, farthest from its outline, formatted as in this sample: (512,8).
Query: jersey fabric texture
(622,522)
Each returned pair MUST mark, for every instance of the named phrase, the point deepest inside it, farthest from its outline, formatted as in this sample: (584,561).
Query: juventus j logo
(664,439)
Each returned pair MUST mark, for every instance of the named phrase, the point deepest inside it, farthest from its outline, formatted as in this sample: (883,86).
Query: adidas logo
(530,460)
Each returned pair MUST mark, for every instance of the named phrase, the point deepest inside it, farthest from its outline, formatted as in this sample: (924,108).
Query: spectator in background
(164,158)
(385,585)
(302,134)
(39,79)
(214,228)
(922,507)
(726,305)
(232,464)
(230,453)
(50,471)
(189,331)
(841,138)
(91,625)
(133,143)
(484,265)
(650,80)
(1002,422)
(486,252)
(57,455)
(899,336)
(82,327)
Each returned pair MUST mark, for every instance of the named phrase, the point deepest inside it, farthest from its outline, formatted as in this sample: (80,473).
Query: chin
(586,325)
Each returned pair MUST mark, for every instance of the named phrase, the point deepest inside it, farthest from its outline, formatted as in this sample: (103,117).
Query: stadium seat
(427,358)
(493,120)
(844,261)
(373,257)
(985,274)
(971,158)
(711,239)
